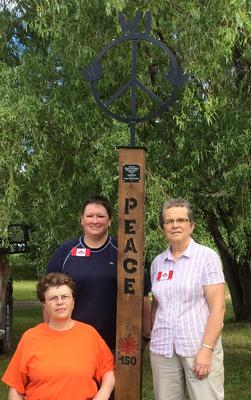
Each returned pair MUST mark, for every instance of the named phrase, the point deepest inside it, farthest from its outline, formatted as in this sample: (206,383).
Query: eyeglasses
(178,221)
(64,298)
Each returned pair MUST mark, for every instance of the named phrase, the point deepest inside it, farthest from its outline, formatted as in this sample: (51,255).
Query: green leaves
(57,147)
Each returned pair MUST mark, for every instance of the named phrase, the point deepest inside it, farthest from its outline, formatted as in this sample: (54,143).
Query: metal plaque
(131,173)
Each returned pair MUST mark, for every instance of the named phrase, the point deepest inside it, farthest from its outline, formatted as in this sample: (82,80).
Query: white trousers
(171,375)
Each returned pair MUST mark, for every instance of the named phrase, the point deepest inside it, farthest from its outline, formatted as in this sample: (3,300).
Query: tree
(57,147)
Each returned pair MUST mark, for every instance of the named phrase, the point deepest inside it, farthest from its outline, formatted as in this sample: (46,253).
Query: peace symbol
(94,72)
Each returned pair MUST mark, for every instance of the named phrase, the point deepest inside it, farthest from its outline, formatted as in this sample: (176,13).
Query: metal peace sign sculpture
(95,72)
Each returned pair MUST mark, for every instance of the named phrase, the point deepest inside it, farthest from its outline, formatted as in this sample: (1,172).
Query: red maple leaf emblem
(128,345)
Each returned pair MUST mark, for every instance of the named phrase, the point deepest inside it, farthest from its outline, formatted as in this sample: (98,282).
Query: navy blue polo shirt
(95,274)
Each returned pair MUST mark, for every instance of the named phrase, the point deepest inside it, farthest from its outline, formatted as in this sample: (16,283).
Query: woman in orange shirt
(62,359)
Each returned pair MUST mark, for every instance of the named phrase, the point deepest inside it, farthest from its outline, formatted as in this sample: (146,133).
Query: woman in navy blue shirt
(91,261)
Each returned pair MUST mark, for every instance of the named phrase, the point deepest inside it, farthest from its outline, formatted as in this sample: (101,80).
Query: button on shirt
(182,311)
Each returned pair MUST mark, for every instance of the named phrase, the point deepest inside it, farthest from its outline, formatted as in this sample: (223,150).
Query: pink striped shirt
(182,310)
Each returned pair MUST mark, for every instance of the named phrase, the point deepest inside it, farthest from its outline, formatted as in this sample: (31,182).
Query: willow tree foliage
(57,147)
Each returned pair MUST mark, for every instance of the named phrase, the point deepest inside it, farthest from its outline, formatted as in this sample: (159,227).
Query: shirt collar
(187,253)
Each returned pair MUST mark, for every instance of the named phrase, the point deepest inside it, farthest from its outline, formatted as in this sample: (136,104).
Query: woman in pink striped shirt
(187,312)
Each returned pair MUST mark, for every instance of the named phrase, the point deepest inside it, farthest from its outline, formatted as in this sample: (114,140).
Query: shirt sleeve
(105,358)
(212,273)
(153,270)
(15,375)
(56,262)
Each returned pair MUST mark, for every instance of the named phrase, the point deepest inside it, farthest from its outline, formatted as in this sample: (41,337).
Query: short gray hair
(179,202)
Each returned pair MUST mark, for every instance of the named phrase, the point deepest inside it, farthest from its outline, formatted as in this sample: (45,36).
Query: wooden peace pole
(130,273)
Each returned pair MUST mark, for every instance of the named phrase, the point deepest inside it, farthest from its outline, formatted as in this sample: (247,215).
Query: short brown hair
(51,280)
(100,200)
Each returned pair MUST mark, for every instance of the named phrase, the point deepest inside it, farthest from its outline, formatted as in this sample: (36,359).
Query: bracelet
(146,338)
(206,346)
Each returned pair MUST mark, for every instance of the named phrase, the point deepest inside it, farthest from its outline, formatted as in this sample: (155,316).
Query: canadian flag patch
(80,252)
(165,276)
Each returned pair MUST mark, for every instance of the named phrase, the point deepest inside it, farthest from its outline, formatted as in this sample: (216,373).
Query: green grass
(236,342)
(237,359)
(24,290)
(23,320)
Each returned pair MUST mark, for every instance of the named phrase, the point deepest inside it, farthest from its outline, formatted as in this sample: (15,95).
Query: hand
(202,363)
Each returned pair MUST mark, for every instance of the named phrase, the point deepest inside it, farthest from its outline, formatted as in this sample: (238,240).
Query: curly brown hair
(54,279)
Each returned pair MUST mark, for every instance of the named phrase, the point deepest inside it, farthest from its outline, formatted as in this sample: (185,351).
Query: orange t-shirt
(59,365)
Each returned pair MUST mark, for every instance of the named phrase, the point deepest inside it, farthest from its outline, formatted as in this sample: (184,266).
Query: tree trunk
(237,275)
